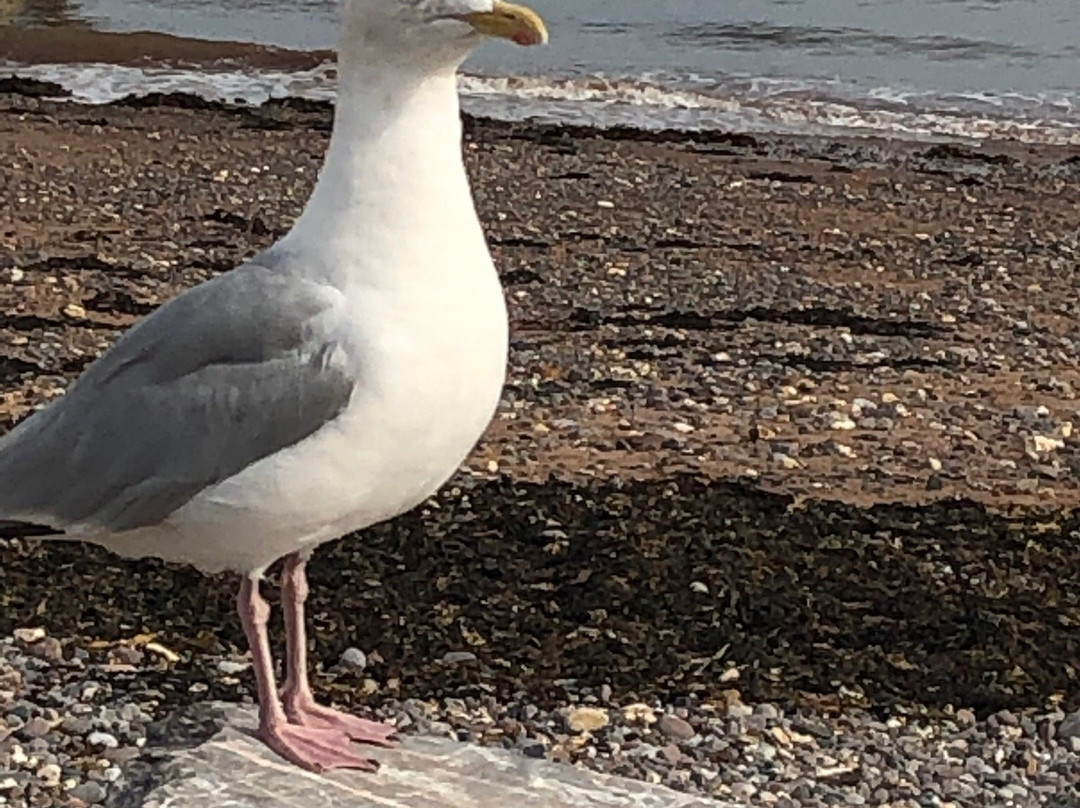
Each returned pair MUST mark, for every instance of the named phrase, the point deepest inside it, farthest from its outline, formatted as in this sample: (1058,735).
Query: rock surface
(210,758)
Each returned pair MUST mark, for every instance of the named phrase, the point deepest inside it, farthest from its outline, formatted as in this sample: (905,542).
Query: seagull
(337,379)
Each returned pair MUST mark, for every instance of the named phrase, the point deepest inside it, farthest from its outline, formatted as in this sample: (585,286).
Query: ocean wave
(847,40)
(740,104)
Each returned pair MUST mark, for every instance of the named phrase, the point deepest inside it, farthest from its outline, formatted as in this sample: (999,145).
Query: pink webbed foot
(315,749)
(296,696)
(361,730)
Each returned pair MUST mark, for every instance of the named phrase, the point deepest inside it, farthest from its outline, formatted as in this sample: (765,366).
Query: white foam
(104,83)
(744,104)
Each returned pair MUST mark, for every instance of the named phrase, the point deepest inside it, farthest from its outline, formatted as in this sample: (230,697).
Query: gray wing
(224,375)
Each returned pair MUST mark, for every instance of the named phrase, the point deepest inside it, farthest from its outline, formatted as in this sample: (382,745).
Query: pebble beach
(780,506)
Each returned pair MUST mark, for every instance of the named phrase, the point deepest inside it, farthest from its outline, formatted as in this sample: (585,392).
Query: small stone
(458,658)
(786,461)
(126,655)
(230,667)
(90,792)
(674,727)
(121,756)
(587,719)
(104,740)
(29,636)
(739,711)
(977,766)
(23,710)
(48,648)
(743,791)
(75,311)
(1069,727)
(1042,444)
(76,725)
(671,754)
(36,727)
(159,650)
(639,714)
(354,659)
(782,736)
(842,423)
(644,750)
(965,717)
(533,748)
(50,775)
(768,711)
(754,724)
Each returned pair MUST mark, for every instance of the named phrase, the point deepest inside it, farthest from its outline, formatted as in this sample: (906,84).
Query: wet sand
(830,383)
(76,44)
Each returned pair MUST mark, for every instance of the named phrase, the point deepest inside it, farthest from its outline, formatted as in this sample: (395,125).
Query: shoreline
(771,456)
(842,149)
(245,74)
(75,44)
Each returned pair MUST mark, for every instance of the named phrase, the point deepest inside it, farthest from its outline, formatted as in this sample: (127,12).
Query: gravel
(765,755)
(74,725)
(67,728)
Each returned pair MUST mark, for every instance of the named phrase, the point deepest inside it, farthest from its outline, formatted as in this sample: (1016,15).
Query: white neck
(396,141)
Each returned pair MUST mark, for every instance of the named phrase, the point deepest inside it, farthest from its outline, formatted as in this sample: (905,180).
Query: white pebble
(229,667)
(102,739)
(354,658)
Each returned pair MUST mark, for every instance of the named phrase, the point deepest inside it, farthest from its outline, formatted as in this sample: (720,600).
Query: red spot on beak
(523,38)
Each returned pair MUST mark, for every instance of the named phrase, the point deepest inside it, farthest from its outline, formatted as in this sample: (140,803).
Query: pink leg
(313,748)
(299,702)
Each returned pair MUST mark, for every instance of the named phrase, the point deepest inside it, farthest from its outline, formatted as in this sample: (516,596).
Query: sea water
(911,68)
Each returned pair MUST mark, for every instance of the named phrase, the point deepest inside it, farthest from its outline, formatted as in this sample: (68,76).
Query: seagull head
(441,29)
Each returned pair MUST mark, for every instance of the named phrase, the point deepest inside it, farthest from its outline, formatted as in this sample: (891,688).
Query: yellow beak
(510,21)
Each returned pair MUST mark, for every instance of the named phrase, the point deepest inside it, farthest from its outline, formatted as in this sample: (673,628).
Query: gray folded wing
(222,376)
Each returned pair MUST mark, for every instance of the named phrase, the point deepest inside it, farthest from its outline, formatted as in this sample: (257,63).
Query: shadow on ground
(651,587)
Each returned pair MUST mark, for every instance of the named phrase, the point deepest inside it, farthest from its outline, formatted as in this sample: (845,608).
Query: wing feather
(222,376)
